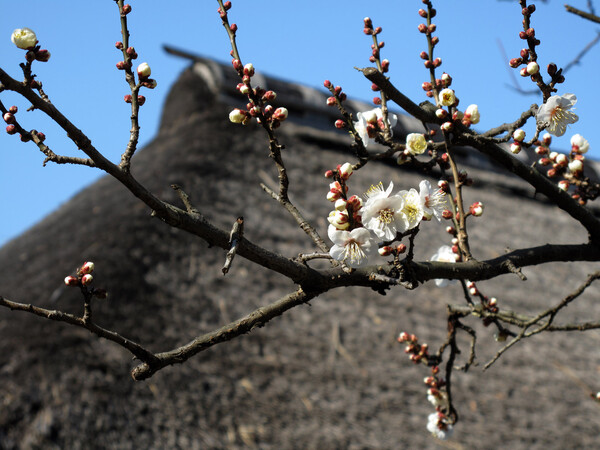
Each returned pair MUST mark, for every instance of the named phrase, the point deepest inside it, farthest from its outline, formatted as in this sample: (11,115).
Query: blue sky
(307,42)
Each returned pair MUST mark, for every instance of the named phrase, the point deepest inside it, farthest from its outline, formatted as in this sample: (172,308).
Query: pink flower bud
(327,84)
(280,114)
(403,337)
(476,209)
(515,148)
(515,62)
(119,45)
(329,174)
(422,28)
(564,185)
(541,150)
(233,27)
(88,267)
(249,69)
(141,100)
(71,281)
(331,101)
(447,126)
(237,64)
(447,214)
(11,129)
(340,124)
(42,55)
(9,118)
(385,250)
(87,279)
(376,100)
(401,248)
(127,98)
(126,9)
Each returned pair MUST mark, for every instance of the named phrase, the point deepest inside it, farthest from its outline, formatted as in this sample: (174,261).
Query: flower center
(386,216)
(411,212)
(353,252)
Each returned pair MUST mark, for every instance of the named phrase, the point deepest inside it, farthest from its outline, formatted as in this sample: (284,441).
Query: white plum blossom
(438,427)
(416,143)
(555,114)
(472,113)
(413,209)
(372,117)
(579,144)
(447,97)
(444,254)
(24,38)
(382,212)
(434,202)
(352,247)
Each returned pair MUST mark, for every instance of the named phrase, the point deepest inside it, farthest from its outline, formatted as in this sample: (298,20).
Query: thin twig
(256,318)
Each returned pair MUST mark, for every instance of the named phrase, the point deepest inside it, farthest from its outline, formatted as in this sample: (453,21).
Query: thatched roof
(328,375)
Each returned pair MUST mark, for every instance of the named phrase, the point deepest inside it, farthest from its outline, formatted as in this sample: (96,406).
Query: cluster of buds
(9,118)
(258,99)
(445,81)
(25,39)
(570,167)
(84,278)
(518,138)
(368,29)
(336,99)
(223,11)
(418,352)
(344,208)
(396,250)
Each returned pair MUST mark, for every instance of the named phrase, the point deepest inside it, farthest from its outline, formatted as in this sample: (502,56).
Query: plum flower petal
(353,247)
(382,212)
(444,254)
(434,202)
(555,114)
(372,117)
(412,210)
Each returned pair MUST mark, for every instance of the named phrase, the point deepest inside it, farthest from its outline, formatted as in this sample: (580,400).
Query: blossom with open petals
(555,114)
(447,97)
(413,209)
(24,38)
(416,143)
(434,202)
(444,254)
(382,212)
(367,124)
(439,427)
(353,247)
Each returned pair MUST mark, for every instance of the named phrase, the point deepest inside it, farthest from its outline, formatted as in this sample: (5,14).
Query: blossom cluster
(438,423)
(357,226)
(84,278)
